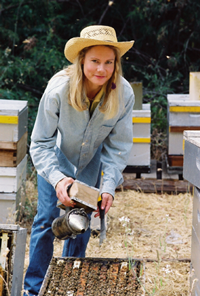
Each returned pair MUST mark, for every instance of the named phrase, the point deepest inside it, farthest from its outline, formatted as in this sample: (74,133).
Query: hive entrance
(91,276)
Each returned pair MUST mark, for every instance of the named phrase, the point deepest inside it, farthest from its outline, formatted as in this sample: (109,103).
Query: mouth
(99,77)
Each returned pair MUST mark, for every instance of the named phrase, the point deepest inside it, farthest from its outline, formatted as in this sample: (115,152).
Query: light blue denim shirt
(67,142)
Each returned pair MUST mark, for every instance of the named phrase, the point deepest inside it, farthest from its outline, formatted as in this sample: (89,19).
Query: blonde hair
(110,105)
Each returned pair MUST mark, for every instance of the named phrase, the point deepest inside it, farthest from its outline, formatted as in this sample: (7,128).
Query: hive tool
(103,224)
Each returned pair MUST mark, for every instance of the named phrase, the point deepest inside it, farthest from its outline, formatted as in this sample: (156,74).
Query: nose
(101,68)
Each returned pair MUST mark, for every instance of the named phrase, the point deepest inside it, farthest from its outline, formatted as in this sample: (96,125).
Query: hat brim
(75,45)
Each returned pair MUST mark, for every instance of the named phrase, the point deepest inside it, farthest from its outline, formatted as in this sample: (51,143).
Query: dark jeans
(41,243)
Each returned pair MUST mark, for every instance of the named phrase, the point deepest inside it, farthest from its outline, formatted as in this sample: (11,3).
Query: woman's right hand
(61,192)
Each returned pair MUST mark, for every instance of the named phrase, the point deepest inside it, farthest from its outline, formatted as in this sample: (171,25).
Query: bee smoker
(75,220)
(72,223)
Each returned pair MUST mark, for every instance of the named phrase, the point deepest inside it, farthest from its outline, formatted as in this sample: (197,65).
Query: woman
(83,126)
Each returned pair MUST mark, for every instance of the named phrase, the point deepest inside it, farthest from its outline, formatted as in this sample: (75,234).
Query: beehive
(140,152)
(13,120)
(13,158)
(11,178)
(191,172)
(92,276)
(12,254)
(183,114)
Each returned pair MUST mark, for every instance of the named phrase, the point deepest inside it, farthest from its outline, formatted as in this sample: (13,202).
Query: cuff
(55,178)
(108,187)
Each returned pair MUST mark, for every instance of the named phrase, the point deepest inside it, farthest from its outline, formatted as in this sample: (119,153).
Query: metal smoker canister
(70,224)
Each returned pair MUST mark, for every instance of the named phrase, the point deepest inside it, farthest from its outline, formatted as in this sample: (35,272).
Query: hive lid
(192,137)
(12,107)
(181,100)
(145,112)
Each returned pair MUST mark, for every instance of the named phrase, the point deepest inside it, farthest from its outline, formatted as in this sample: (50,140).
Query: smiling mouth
(100,77)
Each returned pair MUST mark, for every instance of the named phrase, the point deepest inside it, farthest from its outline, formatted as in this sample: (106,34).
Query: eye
(109,62)
(94,61)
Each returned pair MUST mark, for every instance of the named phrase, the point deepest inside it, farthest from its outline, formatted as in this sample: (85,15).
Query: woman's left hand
(106,203)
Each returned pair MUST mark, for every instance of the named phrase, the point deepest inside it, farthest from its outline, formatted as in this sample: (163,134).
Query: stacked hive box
(183,114)
(13,158)
(191,172)
(139,159)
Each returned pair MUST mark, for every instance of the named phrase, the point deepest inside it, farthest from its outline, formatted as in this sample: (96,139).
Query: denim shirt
(67,142)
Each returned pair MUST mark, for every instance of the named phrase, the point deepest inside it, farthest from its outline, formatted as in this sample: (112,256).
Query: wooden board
(11,153)
(156,186)
(175,160)
(180,129)
(84,192)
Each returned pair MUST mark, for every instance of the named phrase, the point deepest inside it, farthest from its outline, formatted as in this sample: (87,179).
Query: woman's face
(98,66)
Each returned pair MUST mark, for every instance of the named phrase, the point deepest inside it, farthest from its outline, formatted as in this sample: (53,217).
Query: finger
(96,215)
(108,205)
(104,202)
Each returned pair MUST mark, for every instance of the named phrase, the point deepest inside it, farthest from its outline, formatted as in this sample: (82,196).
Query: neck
(91,91)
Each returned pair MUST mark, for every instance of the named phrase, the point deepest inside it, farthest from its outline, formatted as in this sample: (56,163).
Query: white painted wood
(13,132)
(141,130)
(194,86)
(11,178)
(140,152)
(181,100)
(8,132)
(145,112)
(195,253)
(193,137)
(140,155)
(184,119)
(177,98)
(12,107)
(8,207)
(175,143)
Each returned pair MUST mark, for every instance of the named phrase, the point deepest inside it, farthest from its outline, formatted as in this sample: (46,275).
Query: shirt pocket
(103,132)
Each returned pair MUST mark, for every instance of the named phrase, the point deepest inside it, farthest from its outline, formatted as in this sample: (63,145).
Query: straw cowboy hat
(94,35)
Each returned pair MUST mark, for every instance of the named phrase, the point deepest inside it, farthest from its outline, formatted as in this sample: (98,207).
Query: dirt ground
(154,228)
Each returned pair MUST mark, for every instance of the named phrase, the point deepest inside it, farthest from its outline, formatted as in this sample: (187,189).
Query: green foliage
(33,35)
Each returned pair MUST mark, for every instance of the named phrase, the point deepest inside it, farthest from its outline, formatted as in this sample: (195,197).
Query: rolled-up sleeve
(116,149)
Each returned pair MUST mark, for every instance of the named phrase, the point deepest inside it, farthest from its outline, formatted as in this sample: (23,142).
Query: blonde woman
(83,126)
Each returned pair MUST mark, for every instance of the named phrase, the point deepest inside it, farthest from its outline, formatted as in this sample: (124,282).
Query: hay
(157,227)
(149,226)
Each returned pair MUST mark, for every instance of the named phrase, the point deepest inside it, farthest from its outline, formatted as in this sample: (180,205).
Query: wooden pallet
(11,153)
(157,186)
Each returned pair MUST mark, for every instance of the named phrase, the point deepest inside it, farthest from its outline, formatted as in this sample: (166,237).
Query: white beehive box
(183,114)
(13,239)
(191,172)
(141,150)
(13,120)
(11,178)
(191,164)
(10,207)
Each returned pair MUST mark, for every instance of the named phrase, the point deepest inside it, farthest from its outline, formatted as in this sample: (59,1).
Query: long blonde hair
(110,105)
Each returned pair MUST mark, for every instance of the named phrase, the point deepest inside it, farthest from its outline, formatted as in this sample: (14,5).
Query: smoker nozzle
(70,224)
